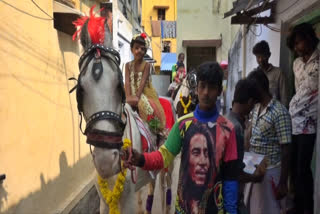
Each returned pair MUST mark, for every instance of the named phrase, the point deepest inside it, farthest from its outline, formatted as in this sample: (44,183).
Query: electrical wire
(41,9)
(273,28)
(288,7)
(24,12)
(258,15)
(257,35)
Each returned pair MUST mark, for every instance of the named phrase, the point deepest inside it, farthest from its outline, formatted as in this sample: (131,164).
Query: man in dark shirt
(245,97)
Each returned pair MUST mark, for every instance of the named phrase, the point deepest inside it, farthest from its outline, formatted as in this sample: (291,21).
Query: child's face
(180,69)
(181,58)
(138,50)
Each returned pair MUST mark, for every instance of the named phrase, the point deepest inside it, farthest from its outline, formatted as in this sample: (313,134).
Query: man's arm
(284,132)
(230,173)
(164,156)
(282,188)
(283,89)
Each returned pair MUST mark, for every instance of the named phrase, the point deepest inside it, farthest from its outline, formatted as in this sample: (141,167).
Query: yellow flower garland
(185,107)
(112,197)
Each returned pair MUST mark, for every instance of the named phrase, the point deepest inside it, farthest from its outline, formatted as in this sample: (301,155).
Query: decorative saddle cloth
(148,139)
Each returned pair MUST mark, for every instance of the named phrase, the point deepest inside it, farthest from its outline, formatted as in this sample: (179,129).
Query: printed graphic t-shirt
(207,142)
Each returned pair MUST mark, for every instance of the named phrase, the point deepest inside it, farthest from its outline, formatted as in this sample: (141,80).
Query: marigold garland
(112,197)
(185,107)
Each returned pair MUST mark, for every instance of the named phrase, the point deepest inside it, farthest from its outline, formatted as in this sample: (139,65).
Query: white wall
(255,34)
(202,20)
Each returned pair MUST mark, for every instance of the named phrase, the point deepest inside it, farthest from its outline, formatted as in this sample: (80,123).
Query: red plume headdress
(95,27)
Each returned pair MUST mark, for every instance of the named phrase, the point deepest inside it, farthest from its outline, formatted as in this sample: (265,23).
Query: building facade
(202,33)
(159,22)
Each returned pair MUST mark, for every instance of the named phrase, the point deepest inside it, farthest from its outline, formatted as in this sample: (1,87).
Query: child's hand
(132,101)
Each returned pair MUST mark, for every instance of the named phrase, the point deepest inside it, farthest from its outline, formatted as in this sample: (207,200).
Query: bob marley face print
(198,171)
(198,159)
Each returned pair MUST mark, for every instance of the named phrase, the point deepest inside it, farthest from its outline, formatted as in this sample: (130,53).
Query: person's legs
(304,179)
(292,175)
(262,199)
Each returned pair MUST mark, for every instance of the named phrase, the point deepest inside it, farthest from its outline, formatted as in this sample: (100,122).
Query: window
(166,46)
(161,14)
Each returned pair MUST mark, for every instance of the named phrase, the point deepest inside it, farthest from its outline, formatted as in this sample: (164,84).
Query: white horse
(187,92)
(101,100)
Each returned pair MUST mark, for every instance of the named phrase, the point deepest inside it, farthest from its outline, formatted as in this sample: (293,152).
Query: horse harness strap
(101,138)
(104,115)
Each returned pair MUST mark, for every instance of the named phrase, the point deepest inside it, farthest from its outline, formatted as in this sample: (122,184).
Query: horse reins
(98,138)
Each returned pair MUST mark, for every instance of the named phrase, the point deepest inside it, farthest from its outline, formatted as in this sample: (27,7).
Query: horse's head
(100,93)
(192,85)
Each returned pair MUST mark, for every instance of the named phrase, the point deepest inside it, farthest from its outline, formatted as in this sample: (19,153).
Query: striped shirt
(270,129)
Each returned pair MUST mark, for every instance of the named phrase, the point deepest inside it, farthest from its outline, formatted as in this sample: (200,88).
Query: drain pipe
(244,50)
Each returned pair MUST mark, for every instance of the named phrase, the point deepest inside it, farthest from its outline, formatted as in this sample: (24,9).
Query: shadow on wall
(52,193)
(3,195)
(67,45)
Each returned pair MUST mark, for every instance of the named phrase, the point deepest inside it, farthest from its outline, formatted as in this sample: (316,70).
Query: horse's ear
(108,34)
(85,36)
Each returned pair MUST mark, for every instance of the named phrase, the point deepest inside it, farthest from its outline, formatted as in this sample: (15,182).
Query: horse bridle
(99,138)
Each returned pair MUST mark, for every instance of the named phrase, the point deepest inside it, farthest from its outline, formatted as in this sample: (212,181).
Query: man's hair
(211,73)
(139,39)
(306,32)
(187,183)
(245,89)
(262,48)
(258,77)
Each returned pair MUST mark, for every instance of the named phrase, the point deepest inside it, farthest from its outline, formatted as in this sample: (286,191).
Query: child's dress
(149,107)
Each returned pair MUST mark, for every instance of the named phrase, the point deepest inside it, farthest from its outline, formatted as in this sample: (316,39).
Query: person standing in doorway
(277,79)
(303,110)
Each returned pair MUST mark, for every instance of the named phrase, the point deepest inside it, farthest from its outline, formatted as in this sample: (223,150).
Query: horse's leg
(140,209)
(128,197)
(104,209)
(162,188)
(169,192)
(149,201)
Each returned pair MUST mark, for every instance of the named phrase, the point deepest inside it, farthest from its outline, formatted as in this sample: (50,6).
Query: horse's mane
(96,27)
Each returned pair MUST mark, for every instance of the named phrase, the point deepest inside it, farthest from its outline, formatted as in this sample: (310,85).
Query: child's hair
(180,54)
(260,79)
(245,90)
(211,73)
(306,32)
(139,39)
(180,65)
(262,48)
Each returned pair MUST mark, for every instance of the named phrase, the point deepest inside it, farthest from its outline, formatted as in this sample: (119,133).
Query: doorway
(198,55)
